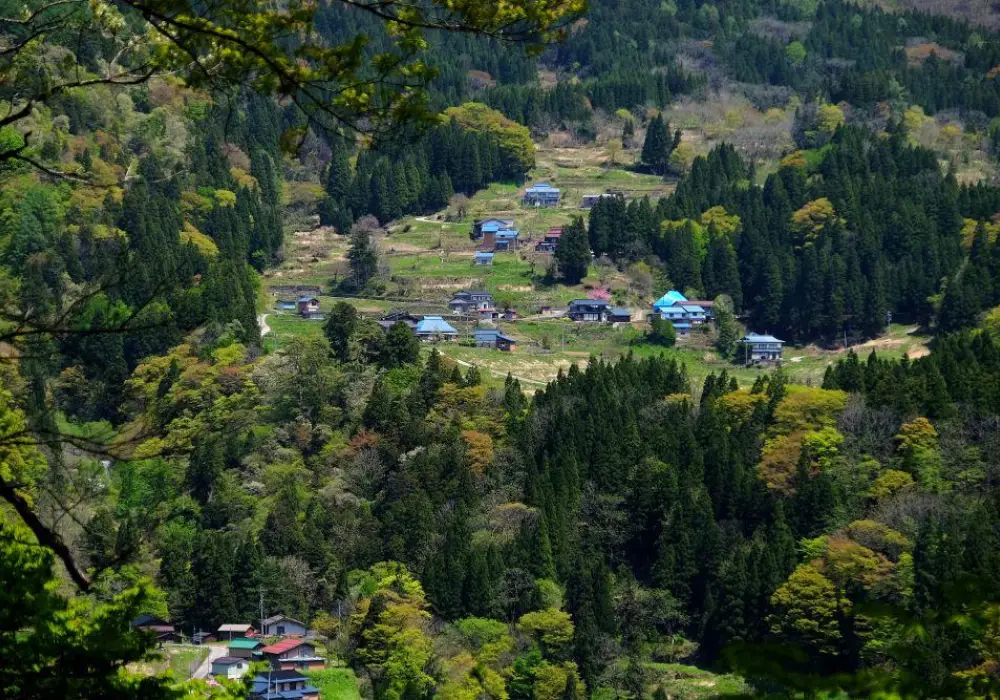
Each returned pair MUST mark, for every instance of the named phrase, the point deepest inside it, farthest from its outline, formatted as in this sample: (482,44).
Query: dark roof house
(588,310)
(494,338)
(283,685)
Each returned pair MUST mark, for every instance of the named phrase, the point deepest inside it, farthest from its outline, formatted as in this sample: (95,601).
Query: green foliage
(573,252)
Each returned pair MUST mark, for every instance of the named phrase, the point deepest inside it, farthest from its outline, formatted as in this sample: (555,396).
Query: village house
(283,685)
(541,194)
(471,302)
(307,306)
(494,338)
(231,667)
(618,314)
(234,630)
(761,348)
(507,239)
(391,319)
(588,310)
(162,630)
(589,200)
(435,329)
(292,654)
(550,241)
(482,226)
(682,313)
(483,259)
(202,637)
(281,626)
(244,647)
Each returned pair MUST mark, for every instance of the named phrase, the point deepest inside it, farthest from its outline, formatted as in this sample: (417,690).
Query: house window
(281,629)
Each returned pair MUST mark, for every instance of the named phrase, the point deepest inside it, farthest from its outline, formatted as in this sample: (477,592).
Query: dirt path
(429,220)
(214,652)
(262,322)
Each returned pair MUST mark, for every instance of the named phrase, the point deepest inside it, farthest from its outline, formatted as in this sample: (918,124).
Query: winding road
(262,322)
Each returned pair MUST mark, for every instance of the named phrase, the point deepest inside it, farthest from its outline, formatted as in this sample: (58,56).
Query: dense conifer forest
(444,532)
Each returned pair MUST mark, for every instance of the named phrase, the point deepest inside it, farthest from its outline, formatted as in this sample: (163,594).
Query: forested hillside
(647,524)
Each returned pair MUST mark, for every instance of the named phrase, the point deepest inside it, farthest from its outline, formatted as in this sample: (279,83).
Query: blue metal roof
(434,324)
(672,310)
(692,309)
(542,187)
(682,325)
(508,233)
(755,338)
(484,255)
(491,226)
(669,299)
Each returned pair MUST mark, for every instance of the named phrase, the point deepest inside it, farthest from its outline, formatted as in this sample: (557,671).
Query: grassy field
(691,683)
(335,684)
(182,659)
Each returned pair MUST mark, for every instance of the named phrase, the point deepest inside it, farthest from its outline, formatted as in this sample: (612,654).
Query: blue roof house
(506,239)
(483,259)
(494,338)
(669,299)
(434,328)
(761,348)
(541,194)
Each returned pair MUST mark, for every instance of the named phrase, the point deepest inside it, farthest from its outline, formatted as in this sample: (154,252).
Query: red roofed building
(292,654)
(551,240)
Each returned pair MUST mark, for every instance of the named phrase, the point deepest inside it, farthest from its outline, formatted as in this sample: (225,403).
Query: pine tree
(657,146)
(362,257)
(573,252)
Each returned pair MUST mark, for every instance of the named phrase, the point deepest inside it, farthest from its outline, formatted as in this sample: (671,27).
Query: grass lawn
(335,684)
(691,683)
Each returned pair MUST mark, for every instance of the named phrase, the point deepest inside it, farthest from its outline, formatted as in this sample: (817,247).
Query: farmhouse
(589,200)
(472,302)
(283,685)
(588,310)
(231,667)
(292,654)
(541,194)
(507,239)
(308,306)
(550,241)
(482,226)
(761,348)
(619,314)
(434,328)
(162,630)
(494,338)
(243,647)
(233,630)
(391,319)
(282,625)
(683,314)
